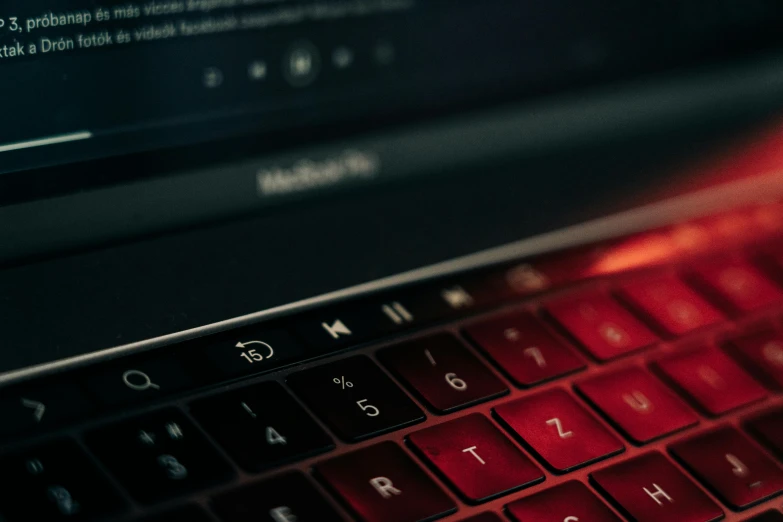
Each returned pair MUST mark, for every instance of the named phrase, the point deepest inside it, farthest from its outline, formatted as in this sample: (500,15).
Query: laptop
(391,261)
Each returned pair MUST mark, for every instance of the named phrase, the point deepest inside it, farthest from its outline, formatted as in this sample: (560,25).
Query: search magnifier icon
(138,381)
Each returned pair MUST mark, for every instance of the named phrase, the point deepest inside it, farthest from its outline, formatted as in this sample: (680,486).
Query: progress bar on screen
(50,140)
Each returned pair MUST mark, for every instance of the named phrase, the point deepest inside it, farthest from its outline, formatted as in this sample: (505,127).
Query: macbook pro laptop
(391,261)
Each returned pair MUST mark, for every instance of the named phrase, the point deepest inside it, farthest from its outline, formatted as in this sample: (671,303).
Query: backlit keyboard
(636,379)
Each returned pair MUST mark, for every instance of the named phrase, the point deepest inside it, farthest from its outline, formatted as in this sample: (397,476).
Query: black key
(355,398)
(246,351)
(443,372)
(189,513)
(138,379)
(261,426)
(767,516)
(41,405)
(158,455)
(54,482)
(285,498)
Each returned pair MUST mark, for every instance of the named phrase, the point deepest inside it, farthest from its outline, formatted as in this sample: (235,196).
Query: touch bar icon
(397,313)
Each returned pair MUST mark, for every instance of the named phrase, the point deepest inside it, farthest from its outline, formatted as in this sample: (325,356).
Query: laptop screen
(90,80)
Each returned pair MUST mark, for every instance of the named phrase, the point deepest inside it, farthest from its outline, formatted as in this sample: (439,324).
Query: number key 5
(355,398)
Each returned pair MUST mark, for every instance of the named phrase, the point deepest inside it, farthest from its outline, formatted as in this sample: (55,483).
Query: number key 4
(261,426)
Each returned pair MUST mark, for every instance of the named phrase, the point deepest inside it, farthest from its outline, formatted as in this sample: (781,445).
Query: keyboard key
(524,348)
(476,458)
(382,484)
(738,285)
(672,305)
(761,352)
(650,489)
(286,498)
(767,516)
(768,429)
(601,325)
(732,466)
(443,372)
(639,404)
(246,351)
(559,430)
(570,502)
(712,380)
(54,482)
(38,406)
(355,398)
(158,455)
(190,513)
(261,426)
(138,379)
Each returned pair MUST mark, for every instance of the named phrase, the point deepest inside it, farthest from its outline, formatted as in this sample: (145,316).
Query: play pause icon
(397,313)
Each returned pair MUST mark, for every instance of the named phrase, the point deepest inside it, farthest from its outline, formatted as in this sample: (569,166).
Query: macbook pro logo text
(308,174)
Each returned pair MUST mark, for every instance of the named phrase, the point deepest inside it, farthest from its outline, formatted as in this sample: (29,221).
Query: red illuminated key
(650,489)
(443,372)
(559,430)
(738,285)
(671,304)
(569,502)
(767,516)
(478,460)
(731,465)
(638,403)
(524,348)
(604,327)
(769,430)
(763,353)
(382,484)
(712,380)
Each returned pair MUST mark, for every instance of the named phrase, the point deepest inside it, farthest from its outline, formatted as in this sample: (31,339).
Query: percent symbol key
(342,382)
(355,398)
